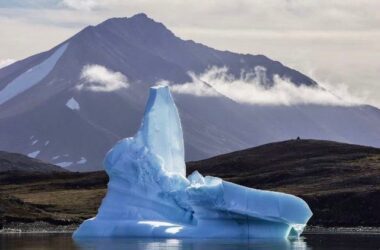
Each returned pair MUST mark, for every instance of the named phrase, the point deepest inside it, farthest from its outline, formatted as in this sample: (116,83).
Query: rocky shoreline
(37,227)
(44,227)
(341,230)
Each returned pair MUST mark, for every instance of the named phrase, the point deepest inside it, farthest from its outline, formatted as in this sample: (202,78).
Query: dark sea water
(311,241)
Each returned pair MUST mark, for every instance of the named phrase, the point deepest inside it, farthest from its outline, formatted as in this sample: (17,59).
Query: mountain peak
(140,19)
(140,16)
(138,29)
(137,25)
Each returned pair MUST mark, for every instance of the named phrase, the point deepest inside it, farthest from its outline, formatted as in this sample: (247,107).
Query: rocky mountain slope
(57,107)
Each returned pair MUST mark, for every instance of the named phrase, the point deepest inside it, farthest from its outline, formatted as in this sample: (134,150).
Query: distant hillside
(19,162)
(341,182)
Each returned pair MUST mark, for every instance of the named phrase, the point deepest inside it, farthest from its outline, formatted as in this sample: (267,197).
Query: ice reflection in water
(47,241)
(191,244)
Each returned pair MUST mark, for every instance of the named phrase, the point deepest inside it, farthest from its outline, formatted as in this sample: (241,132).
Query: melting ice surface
(149,195)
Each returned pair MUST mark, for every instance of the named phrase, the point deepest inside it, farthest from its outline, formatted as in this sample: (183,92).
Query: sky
(336,42)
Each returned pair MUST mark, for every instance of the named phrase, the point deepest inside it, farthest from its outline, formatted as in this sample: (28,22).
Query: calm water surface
(64,241)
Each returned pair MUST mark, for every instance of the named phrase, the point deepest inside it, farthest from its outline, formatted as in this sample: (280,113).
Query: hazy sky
(336,42)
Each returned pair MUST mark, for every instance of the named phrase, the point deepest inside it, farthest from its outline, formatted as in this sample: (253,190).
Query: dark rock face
(145,51)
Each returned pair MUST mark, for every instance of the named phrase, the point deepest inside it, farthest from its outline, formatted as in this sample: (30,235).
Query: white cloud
(100,79)
(197,87)
(6,62)
(246,89)
(82,4)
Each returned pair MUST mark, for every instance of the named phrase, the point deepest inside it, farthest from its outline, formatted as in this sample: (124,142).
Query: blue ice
(149,195)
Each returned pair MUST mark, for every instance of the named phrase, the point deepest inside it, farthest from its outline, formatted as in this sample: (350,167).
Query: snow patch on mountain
(72,104)
(64,164)
(31,77)
(98,78)
(34,154)
(82,160)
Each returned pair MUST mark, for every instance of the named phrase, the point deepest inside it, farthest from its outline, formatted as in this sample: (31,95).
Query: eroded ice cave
(149,195)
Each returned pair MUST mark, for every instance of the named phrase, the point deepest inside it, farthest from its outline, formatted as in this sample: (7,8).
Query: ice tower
(149,195)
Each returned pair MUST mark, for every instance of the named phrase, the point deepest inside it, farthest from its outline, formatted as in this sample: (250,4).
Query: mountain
(339,181)
(48,110)
(13,162)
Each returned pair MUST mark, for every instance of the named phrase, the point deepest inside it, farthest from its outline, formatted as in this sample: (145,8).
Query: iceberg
(149,195)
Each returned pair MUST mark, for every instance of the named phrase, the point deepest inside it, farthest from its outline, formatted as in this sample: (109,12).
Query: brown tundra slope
(341,183)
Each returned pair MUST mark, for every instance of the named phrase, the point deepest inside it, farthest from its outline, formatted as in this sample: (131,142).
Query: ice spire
(161,130)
